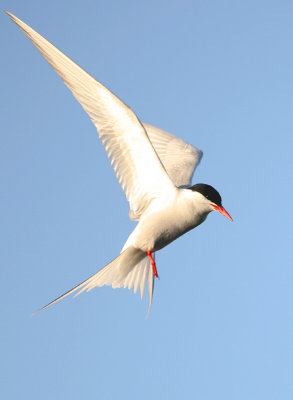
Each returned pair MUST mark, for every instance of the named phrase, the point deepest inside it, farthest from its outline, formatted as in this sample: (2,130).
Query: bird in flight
(153,167)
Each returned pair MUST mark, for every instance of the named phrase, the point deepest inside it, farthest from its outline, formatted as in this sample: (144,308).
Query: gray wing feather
(179,158)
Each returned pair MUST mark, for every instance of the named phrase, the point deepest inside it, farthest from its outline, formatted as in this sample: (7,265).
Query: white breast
(168,220)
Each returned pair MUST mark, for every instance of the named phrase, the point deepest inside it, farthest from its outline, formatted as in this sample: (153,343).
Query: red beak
(223,211)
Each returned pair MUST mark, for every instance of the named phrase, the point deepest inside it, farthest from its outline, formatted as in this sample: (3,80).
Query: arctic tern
(153,167)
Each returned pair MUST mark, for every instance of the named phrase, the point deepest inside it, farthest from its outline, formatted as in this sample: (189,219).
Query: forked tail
(130,269)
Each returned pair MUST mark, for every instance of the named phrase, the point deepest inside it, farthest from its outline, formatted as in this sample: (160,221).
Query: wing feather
(138,169)
(179,158)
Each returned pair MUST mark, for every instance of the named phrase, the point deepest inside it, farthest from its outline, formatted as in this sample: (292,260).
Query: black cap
(208,192)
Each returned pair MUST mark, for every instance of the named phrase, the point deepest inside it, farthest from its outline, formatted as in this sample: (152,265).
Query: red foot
(149,253)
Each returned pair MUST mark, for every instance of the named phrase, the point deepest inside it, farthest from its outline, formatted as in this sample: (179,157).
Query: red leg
(149,253)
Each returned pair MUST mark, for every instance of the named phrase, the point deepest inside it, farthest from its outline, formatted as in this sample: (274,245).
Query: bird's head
(212,196)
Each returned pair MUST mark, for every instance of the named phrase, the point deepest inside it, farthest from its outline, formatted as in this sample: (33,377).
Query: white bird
(153,167)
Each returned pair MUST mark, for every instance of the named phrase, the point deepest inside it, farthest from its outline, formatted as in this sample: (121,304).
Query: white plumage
(152,166)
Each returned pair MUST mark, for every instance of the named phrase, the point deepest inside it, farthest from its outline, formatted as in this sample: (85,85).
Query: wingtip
(14,19)
(9,14)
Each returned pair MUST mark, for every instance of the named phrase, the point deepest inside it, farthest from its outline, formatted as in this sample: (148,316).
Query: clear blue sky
(218,74)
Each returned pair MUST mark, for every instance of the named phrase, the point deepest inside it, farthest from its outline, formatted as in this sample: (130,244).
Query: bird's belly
(157,231)
(169,233)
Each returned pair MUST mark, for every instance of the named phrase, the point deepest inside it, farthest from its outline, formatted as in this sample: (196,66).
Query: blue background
(217,74)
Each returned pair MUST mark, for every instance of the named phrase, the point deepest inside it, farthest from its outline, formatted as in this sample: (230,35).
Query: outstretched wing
(138,169)
(179,158)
